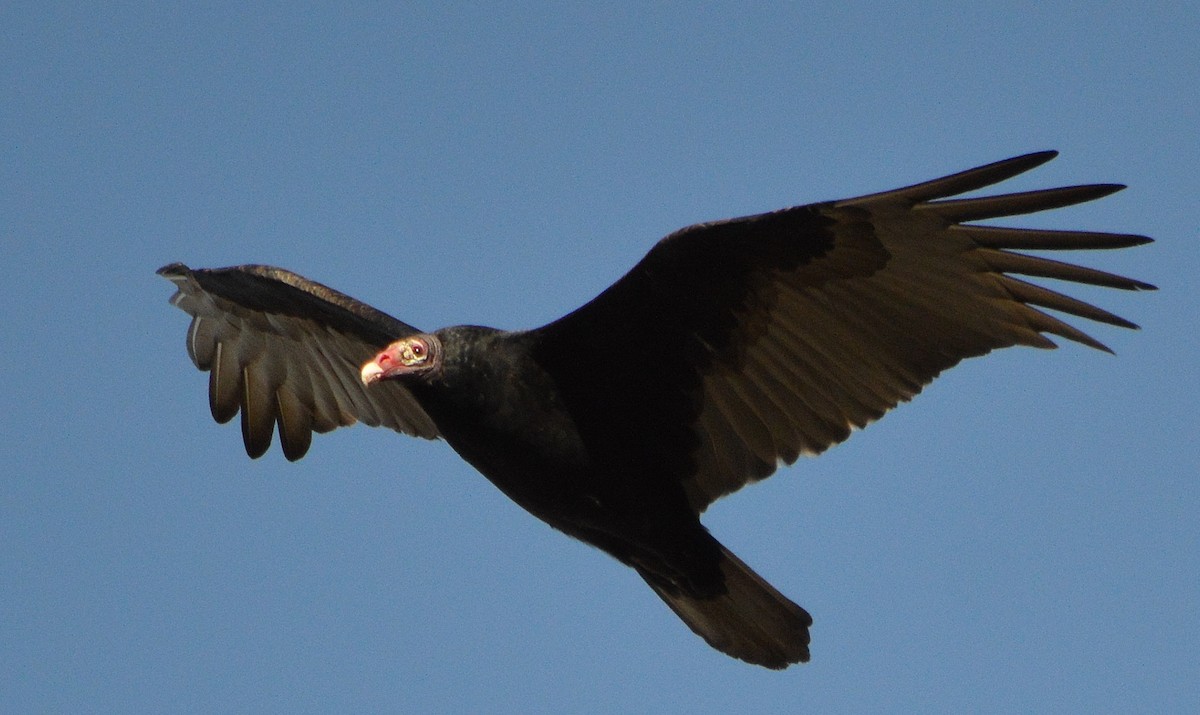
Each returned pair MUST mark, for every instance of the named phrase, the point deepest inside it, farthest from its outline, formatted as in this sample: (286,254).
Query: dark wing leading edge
(738,345)
(286,351)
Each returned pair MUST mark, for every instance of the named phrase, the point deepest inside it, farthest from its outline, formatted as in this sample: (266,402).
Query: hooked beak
(371,373)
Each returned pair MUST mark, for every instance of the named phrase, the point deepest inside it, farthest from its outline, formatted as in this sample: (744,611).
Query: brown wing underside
(775,335)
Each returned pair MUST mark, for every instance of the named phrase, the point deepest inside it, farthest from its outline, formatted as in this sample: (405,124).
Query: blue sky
(1022,537)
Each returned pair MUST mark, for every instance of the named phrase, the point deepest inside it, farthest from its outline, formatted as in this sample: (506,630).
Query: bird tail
(750,620)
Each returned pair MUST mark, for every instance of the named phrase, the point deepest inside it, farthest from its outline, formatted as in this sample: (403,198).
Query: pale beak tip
(371,372)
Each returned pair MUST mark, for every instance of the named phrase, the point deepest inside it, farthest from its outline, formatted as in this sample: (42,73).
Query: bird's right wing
(282,349)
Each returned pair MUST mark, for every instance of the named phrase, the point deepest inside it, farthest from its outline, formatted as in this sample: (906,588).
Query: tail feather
(751,620)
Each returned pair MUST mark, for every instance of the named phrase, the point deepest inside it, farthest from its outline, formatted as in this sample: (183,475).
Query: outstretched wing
(286,351)
(738,345)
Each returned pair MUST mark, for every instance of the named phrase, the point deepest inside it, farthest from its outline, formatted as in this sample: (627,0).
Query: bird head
(419,355)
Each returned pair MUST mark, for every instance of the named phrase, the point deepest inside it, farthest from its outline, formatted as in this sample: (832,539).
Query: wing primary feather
(1046,240)
(1005,262)
(1046,323)
(961,182)
(1046,298)
(985,207)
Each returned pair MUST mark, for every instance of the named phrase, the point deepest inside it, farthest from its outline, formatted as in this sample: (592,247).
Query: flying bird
(732,348)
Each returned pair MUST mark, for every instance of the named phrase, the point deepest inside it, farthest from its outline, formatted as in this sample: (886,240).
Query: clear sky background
(1022,537)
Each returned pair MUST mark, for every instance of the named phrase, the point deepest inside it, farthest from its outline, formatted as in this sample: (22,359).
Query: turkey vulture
(732,348)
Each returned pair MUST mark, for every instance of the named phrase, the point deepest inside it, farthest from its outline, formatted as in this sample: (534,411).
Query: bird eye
(418,349)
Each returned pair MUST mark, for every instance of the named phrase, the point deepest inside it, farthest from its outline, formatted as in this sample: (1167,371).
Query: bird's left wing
(735,346)
(286,351)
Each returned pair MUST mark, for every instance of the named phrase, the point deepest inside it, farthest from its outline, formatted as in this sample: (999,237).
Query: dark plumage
(758,339)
